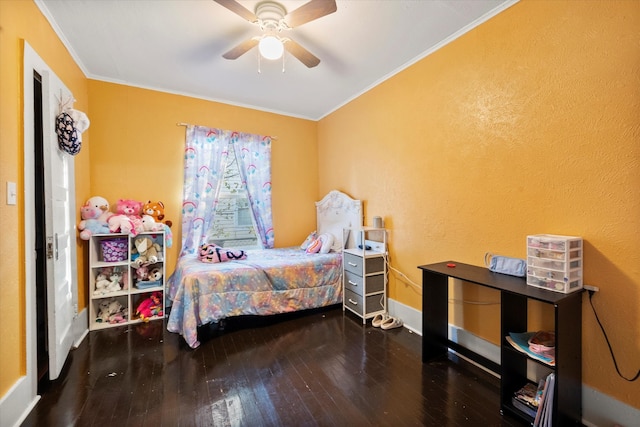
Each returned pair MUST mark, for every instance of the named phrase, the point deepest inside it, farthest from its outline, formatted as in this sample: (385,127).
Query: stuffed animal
(121,224)
(108,308)
(156,210)
(142,273)
(133,210)
(119,317)
(115,281)
(149,307)
(94,214)
(129,207)
(146,249)
(210,252)
(155,275)
(101,285)
(150,224)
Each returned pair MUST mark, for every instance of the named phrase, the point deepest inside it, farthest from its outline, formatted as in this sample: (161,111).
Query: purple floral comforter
(269,281)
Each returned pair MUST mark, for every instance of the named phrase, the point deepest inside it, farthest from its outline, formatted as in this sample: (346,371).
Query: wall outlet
(591,288)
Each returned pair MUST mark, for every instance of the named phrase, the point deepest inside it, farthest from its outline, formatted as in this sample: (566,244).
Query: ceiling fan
(272,18)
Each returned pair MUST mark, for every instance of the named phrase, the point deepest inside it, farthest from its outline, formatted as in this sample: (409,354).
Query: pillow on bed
(314,246)
(326,240)
(336,230)
(320,245)
(310,238)
(210,252)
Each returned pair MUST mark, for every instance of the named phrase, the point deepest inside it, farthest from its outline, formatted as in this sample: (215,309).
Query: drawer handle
(353,302)
(352,283)
(352,264)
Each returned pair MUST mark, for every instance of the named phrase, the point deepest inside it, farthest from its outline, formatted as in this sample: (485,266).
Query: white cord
(400,273)
(411,282)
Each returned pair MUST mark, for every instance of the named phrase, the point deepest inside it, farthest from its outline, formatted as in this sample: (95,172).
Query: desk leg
(435,313)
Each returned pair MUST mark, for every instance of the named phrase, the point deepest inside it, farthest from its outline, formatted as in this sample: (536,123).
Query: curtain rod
(274,138)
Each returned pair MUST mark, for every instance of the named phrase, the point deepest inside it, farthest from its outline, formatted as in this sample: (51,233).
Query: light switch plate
(12,196)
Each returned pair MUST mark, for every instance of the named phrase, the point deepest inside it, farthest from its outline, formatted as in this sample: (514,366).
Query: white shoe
(391,323)
(378,320)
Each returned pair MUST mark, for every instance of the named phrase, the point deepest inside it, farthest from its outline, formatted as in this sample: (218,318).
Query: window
(233,225)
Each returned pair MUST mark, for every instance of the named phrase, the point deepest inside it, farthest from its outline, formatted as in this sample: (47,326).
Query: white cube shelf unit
(115,288)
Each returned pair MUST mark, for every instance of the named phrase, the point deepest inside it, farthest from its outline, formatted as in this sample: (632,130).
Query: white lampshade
(270,47)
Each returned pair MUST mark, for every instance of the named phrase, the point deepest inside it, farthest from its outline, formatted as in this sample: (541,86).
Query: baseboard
(80,327)
(17,403)
(411,318)
(598,409)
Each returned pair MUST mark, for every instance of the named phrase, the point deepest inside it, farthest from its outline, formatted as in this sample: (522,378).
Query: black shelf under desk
(514,294)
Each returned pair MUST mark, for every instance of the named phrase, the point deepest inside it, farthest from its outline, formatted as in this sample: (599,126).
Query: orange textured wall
(21,20)
(526,124)
(137,153)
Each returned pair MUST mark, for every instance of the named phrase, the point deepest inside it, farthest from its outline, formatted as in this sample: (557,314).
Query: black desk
(514,294)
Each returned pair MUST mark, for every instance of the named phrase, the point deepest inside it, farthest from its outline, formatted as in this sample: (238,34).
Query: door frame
(23,396)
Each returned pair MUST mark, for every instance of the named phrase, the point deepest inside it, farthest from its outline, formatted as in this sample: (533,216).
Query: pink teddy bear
(132,209)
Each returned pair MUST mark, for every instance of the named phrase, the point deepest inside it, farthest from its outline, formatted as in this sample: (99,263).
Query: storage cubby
(118,281)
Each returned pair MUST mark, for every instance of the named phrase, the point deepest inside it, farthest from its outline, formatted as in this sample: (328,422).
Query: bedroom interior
(524,124)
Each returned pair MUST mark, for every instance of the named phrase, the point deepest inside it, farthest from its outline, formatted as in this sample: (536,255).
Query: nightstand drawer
(354,301)
(353,263)
(355,283)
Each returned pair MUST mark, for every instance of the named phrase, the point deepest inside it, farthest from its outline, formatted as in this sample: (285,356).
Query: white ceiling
(176,46)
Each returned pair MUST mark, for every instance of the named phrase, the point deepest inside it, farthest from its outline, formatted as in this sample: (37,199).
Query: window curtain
(253,153)
(206,153)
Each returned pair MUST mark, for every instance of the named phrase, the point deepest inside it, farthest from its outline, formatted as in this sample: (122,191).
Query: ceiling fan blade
(241,49)
(309,11)
(303,55)
(238,9)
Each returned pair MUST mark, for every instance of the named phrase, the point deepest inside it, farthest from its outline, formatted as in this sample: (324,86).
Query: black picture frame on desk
(514,296)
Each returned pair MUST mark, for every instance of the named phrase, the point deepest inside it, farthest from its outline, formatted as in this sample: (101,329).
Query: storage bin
(114,250)
(554,262)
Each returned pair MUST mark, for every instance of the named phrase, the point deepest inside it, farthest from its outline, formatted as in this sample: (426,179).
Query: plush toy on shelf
(132,209)
(155,275)
(94,214)
(156,210)
(142,273)
(146,250)
(101,285)
(150,224)
(118,317)
(108,308)
(115,282)
(149,307)
(121,224)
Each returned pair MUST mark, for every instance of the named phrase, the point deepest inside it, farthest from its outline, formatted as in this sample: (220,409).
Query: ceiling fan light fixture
(271,47)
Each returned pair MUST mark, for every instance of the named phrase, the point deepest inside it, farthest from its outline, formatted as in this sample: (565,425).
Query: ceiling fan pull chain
(283,63)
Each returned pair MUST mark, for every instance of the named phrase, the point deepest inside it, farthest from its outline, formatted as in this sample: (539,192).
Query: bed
(268,281)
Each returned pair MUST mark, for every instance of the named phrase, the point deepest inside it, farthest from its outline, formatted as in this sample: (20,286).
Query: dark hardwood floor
(319,368)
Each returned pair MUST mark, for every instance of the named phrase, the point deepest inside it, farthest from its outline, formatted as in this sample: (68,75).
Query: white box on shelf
(554,262)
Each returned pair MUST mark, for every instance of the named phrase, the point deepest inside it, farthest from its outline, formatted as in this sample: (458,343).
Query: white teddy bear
(102,283)
(115,280)
(108,308)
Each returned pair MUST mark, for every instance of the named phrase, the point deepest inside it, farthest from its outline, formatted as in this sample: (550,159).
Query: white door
(60,231)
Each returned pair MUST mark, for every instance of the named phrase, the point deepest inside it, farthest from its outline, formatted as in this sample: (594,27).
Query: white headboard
(335,212)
